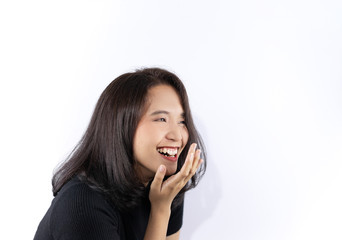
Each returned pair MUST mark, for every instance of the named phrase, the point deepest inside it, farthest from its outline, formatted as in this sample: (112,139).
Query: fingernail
(161,168)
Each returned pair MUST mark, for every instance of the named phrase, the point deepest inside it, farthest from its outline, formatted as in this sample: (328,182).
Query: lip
(168,147)
(172,159)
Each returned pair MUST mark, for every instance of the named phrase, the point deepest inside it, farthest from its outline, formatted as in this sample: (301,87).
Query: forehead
(163,97)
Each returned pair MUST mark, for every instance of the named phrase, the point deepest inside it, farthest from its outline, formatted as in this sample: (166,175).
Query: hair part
(104,155)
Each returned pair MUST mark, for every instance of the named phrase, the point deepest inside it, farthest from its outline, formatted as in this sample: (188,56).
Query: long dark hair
(104,155)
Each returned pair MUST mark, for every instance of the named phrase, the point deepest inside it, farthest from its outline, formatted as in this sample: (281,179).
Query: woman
(127,177)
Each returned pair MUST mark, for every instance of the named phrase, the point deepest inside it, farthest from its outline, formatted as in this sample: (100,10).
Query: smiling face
(161,134)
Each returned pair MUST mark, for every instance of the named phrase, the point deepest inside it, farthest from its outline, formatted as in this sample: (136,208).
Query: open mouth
(168,152)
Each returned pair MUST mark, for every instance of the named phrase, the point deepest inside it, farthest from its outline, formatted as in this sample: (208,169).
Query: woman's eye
(161,119)
(183,123)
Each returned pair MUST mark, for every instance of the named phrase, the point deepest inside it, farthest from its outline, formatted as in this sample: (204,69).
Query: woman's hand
(162,193)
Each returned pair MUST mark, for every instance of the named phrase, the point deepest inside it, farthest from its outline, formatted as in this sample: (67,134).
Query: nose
(174,133)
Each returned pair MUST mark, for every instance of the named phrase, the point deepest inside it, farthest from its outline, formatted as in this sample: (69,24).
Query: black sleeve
(84,214)
(176,220)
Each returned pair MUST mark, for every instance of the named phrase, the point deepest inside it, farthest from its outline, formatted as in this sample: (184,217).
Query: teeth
(168,151)
(171,151)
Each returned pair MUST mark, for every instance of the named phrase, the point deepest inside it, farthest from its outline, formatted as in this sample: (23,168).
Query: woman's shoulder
(79,208)
(76,185)
(77,193)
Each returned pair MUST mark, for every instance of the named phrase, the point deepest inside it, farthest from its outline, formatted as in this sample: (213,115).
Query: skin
(163,192)
(166,128)
(162,125)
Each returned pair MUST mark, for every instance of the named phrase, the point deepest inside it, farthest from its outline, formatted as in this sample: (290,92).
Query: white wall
(264,80)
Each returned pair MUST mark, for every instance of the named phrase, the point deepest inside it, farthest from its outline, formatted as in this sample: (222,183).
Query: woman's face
(161,134)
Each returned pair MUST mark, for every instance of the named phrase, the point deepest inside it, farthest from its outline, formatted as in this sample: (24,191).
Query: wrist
(160,211)
(157,223)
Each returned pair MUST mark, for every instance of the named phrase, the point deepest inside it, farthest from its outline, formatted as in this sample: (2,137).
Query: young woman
(127,176)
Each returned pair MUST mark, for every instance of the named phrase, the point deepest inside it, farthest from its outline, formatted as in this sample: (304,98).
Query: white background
(264,80)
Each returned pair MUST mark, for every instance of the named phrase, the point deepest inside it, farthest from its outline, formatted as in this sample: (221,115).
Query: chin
(170,171)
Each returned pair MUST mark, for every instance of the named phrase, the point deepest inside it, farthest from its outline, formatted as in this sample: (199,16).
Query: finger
(195,162)
(199,164)
(200,161)
(185,171)
(191,155)
(158,178)
(181,175)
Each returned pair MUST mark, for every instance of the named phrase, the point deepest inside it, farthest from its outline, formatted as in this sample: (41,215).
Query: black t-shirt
(80,212)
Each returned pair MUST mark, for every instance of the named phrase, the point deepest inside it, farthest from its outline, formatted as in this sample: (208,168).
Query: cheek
(185,136)
(147,135)
(139,141)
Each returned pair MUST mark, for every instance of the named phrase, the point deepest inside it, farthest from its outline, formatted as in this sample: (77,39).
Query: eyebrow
(164,112)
